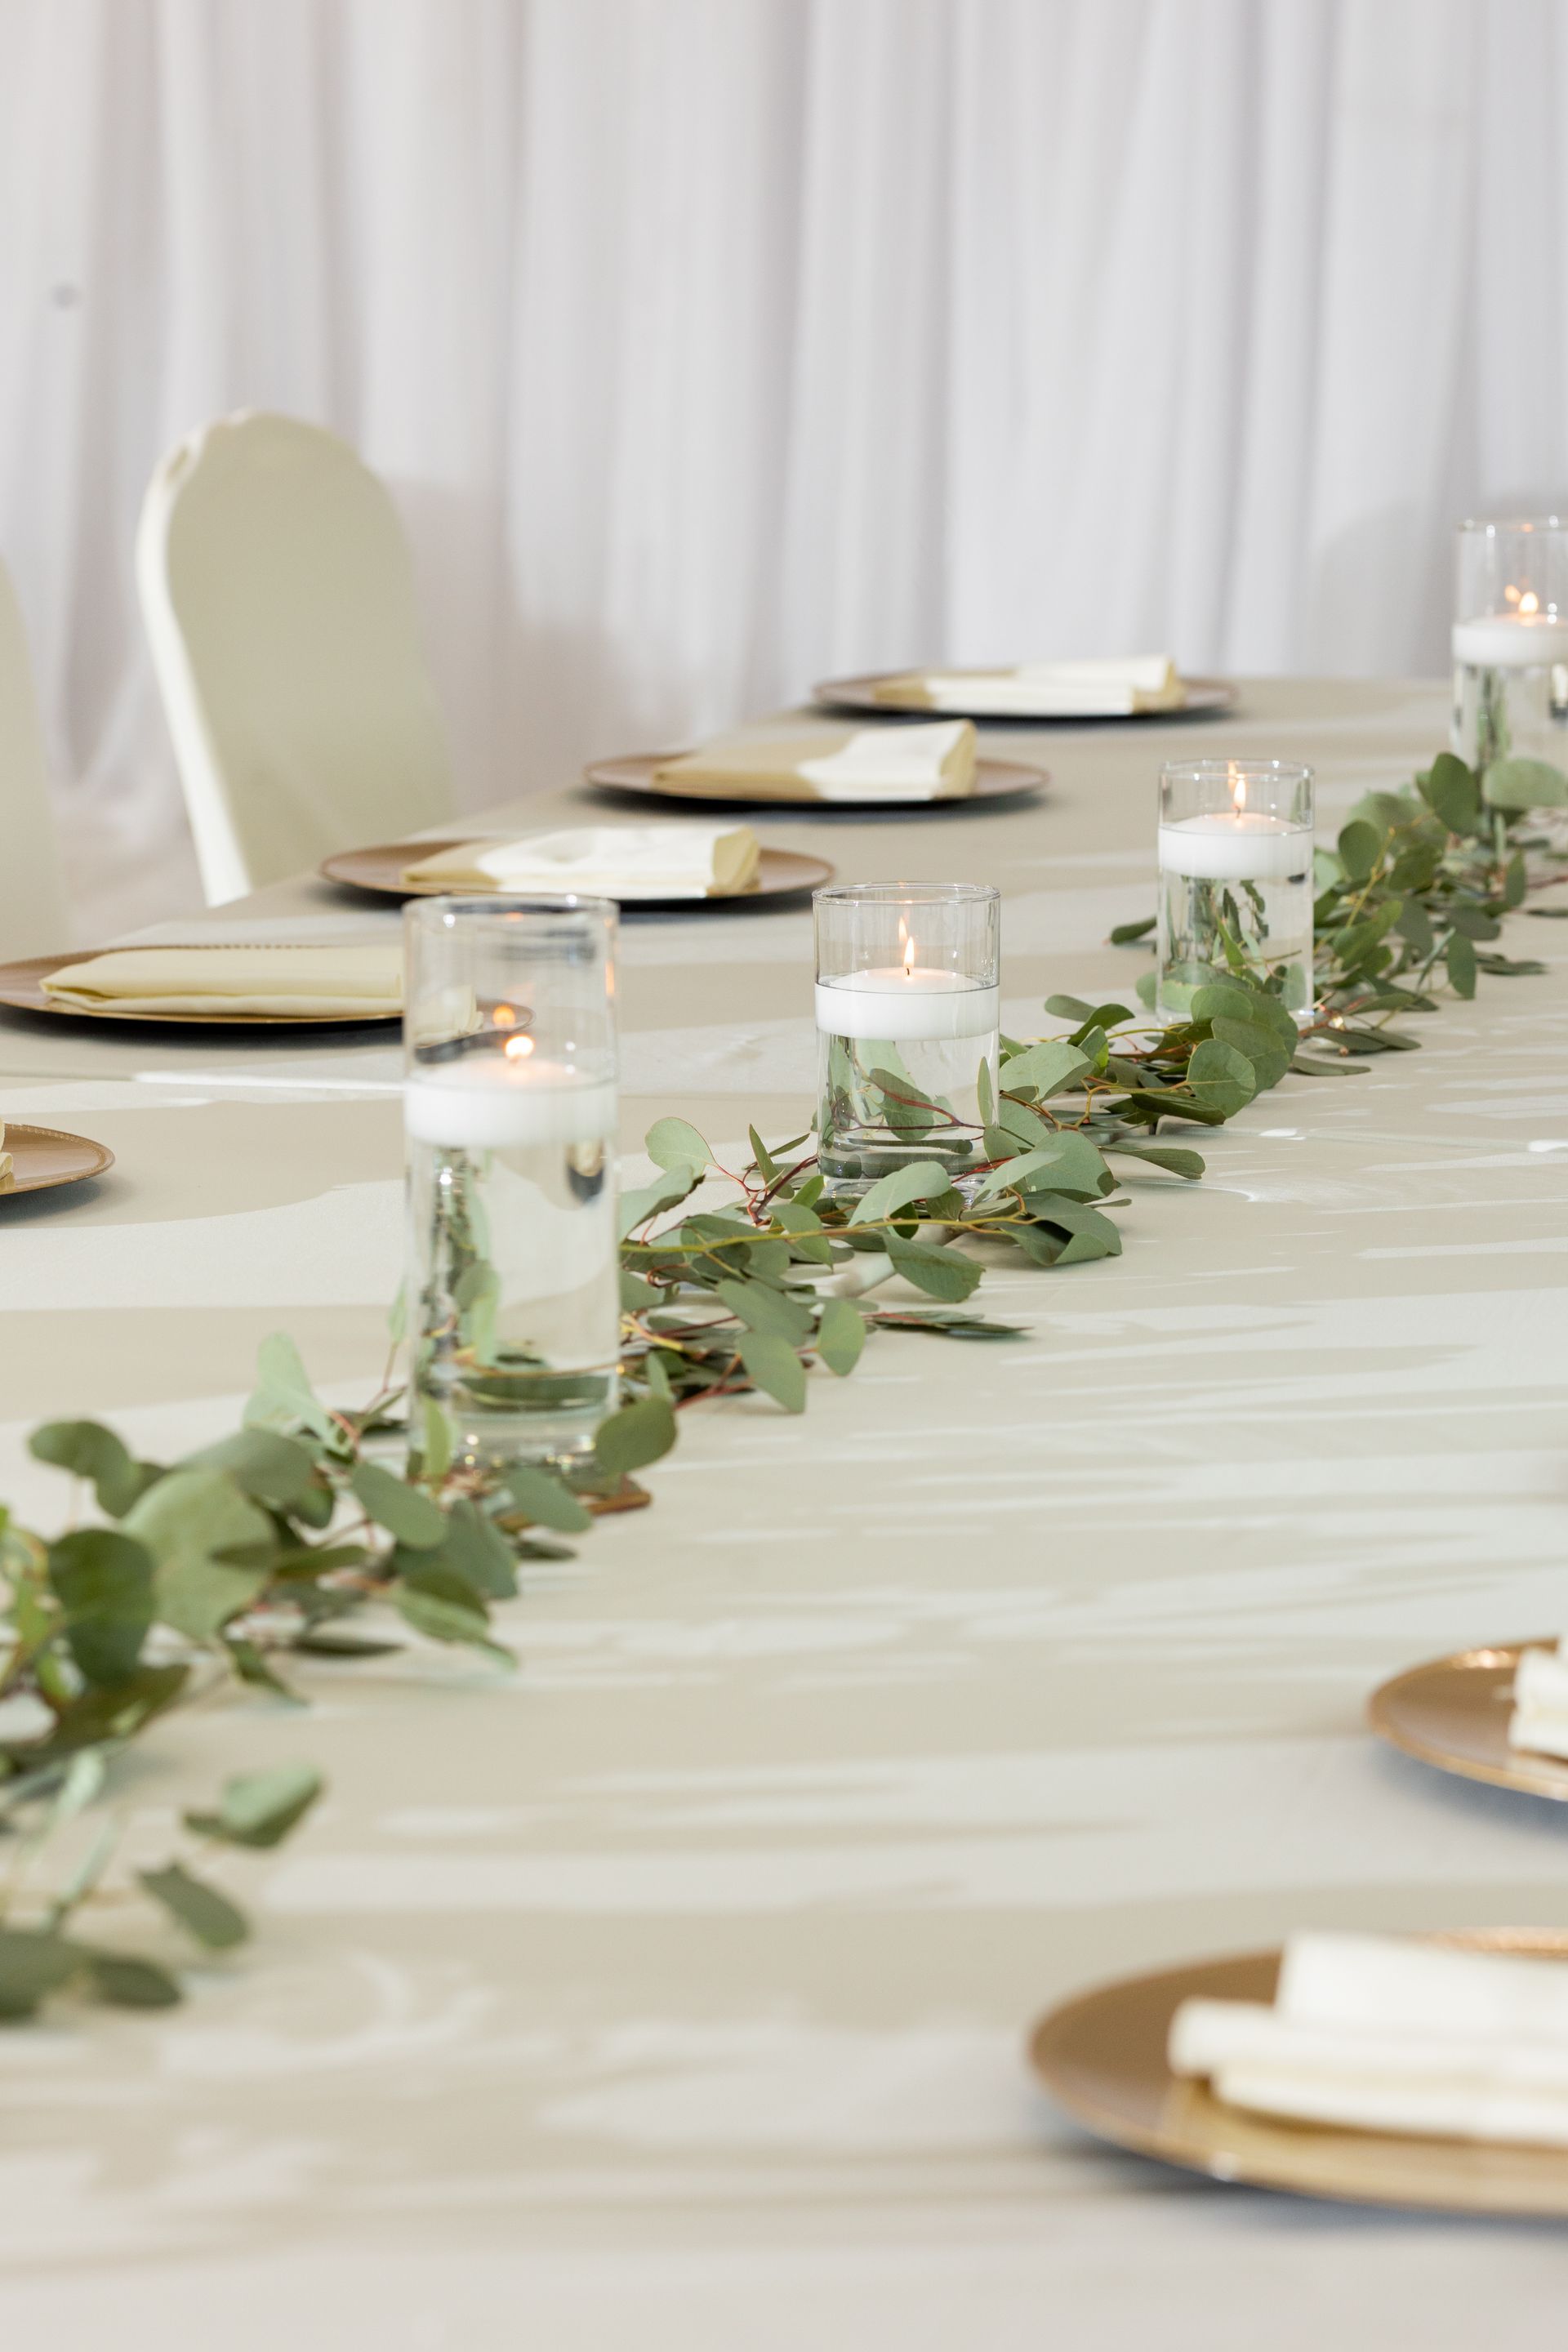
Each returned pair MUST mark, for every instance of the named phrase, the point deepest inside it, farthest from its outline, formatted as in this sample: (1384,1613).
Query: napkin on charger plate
(1380,2035)
(1540,1718)
(843,763)
(1066,689)
(298,981)
(604,861)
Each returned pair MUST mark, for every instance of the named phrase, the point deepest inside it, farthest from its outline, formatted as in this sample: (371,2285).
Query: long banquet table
(672,1993)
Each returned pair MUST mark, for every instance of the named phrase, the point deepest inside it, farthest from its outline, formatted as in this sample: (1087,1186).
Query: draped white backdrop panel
(713,345)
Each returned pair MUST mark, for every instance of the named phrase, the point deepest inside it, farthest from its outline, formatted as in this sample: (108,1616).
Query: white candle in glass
(495,1101)
(898,1001)
(1527,639)
(1235,846)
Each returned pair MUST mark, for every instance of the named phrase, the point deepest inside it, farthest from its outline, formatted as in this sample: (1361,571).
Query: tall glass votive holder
(1236,881)
(514,1291)
(908,1008)
(1511,641)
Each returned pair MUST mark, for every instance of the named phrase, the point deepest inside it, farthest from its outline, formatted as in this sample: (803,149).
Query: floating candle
(896,1001)
(1235,844)
(1523,640)
(493,1101)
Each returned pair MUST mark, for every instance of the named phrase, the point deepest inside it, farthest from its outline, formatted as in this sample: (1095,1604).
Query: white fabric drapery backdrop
(714,345)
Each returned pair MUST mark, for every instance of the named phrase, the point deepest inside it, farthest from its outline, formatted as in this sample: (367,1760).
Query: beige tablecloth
(673,1994)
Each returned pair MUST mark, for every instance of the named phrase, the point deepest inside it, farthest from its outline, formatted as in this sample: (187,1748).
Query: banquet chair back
(278,592)
(32,893)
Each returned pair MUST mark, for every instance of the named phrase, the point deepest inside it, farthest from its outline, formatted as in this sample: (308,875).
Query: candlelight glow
(1238,793)
(1530,602)
(518,1048)
(504,1017)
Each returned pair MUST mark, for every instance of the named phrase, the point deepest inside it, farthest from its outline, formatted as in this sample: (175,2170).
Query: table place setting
(1138,686)
(891,767)
(1425,2071)
(295,983)
(1498,1714)
(678,865)
(37,1159)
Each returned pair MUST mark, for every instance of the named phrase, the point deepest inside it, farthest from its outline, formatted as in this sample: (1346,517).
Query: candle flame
(1238,793)
(1530,602)
(504,1016)
(518,1048)
(909,959)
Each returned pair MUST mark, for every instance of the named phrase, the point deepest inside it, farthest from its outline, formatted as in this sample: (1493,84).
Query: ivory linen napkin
(1070,689)
(1540,1718)
(298,981)
(1386,2035)
(606,861)
(851,763)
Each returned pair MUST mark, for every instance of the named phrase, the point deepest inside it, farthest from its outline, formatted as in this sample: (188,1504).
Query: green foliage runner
(275,1541)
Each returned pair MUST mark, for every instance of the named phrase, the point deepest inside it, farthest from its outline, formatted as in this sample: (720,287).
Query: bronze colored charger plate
(1454,1713)
(994,780)
(21,985)
(783,874)
(1205,696)
(43,1157)
(1102,2057)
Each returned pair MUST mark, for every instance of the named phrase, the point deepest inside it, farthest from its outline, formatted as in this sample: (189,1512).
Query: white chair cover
(32,894)
(278,592)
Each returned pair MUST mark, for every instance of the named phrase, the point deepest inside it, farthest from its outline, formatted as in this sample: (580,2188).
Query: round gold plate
(783,874)
(994,780)
(1454,1713)
(43,1157)
(1204,697)
(21,985)
(1102,2057)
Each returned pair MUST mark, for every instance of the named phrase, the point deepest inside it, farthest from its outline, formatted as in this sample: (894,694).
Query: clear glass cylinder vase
(1236,881)
(1511,641)
(510,1115)
(908,1012)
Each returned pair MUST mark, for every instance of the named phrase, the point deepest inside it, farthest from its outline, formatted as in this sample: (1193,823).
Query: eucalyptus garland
(297,1537)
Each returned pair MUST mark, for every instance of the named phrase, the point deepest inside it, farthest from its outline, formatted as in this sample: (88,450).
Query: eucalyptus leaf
(184,1520)
(34,1964)
(1123,934)
(404,1512)
(939,1273)
(635,1435)
(675,1145)
(90,1451)
(923,1180)
(1046,1067)
(651,1199)
(128,1982)
(202,1912)
(1524,785)
(103,1583)
(260,1809)
(283,1392)
(545,1500)
(771,1364)
(1221,1077)
(1460,959)
(840,1335)
(763,1309)
(268,1466)
(1360,847)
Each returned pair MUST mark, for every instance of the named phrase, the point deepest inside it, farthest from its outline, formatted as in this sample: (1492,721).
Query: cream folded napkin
(301,983)
(847,764)
(604,861)
(1540,1718)
(1070,689)
(1381,2034)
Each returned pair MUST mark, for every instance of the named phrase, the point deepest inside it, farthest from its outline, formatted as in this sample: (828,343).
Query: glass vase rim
(1489,525)
(920,893)
(1296,771)
(502,905)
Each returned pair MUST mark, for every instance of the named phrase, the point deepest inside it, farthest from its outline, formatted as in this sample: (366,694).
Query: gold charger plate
(1204,697)
(1454,1713)
(43,1157)
(21,986)
(994,780)
(783,874)
(1102,2057)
